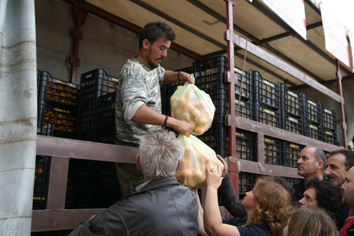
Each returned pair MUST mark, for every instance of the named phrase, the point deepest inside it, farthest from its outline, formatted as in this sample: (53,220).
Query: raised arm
(212,218)
(145,115)
(174,76)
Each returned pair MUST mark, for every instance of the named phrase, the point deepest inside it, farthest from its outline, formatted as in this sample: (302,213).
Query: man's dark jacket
(161,207)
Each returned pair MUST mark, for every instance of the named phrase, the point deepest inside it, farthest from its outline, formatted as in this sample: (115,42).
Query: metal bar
(51,220)
(264,55)
(257,127)
(79,15)
(78,149)
(342,109)
(266,169)
(58,179)
(260,148)
(231,74)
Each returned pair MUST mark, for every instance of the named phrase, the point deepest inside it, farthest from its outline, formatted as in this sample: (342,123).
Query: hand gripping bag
(197,155)
(194,106)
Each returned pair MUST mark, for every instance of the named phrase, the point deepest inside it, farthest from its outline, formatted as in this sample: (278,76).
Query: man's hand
(181,127)
(185,77)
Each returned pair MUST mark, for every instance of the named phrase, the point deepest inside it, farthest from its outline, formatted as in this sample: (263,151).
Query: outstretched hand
(226,167)
(214,177)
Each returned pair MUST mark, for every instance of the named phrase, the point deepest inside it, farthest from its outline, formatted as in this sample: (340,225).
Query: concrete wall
(104,45)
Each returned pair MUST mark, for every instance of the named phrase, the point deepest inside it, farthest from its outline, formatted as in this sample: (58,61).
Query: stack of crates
(291,152)
(106,128)
(91,184)
(244,94)
(266,101)
(41,177)
(209,77)
(57,105)
(291,110)
(245,145)
(329,131)
(312,112)
(94,84)
(272,151)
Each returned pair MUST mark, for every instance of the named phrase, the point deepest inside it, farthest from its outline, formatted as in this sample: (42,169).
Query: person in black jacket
(161,206)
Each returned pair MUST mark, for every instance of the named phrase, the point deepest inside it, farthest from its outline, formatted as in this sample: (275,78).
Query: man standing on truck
(138,105)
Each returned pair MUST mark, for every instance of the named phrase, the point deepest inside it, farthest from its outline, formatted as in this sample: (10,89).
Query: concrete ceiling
(200,25)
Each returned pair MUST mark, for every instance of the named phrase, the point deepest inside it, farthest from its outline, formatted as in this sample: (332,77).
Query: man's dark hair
(329,197)
(349,157)
(154,30)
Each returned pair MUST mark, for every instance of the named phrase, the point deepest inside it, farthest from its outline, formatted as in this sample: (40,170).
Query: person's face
(309,199)
(348,188)
(249,201)
(157,51)
(286,229)
(335,169)
(306,164)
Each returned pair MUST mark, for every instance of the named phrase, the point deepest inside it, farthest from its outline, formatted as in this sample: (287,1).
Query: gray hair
(159,154)
(321,156)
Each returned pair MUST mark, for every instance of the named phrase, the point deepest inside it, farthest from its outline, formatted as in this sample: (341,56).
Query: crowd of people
(154,203)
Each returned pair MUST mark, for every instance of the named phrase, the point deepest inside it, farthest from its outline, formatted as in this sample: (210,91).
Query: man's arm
(145,115)
(173,76)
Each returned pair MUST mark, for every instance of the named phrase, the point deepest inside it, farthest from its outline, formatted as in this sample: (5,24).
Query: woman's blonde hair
(274,205)
(311,222)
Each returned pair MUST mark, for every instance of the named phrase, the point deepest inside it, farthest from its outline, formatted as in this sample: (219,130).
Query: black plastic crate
(291,102)
(312,111)
(91,184)
(93,84)
(329,136)
(41,179)
(244,108)
(272,151)
(329,119)
(212,65)
(265,92)
(58,92)
(64,121)
(105,185)
(79,185)
(106,127)
(245,145)
(245,80)
(96,83)
(312,130)
(267,115)
(246,183)
(291,152)
(217,138)
(292,123)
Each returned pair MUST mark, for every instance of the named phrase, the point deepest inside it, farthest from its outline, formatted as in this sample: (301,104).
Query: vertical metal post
(231,75)
(79,18)
(342,110)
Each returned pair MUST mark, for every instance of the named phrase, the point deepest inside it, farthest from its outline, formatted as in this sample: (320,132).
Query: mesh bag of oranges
(197,155)
(194,106)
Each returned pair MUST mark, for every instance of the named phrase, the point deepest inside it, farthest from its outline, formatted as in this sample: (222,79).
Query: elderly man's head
(159,154)
(311,163)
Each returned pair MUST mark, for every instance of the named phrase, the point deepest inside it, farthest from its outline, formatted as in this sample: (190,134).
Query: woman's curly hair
(274,206)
